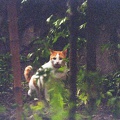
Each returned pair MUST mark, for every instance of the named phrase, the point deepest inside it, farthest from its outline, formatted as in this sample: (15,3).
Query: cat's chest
(58,75)
(54,73)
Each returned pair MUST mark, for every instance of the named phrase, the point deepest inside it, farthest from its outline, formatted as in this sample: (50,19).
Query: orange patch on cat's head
(62,54)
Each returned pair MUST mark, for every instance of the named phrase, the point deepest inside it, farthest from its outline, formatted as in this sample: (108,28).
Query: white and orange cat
(36,81)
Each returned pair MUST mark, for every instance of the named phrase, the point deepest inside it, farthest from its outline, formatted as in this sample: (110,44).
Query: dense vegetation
(102,89)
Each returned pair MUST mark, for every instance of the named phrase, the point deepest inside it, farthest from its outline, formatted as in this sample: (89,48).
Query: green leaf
(61,69)
(112,101)
(29,55)
(36,117)
(38,107)
(2,109)
(105,47)
(83,6)
(109,94)
(82,26)
(48,19)
(118,46)
(59,22)
(98,102)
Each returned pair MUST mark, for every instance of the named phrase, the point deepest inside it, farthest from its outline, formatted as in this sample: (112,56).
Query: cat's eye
(60,58)
(54,58)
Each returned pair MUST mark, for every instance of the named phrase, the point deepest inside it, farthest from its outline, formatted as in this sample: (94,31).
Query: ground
(7,101)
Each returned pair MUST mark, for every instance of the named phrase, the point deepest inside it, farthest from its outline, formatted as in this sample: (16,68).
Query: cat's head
(58,58)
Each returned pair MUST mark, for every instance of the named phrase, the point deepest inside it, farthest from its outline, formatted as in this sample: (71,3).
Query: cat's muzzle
(57,65)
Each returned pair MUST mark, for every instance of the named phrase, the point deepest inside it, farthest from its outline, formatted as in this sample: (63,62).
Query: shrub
(5,71)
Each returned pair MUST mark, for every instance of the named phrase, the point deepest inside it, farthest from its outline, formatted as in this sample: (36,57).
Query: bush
(111,92)
(5,71)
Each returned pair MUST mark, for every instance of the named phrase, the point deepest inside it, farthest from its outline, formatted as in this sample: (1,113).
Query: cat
(37,80)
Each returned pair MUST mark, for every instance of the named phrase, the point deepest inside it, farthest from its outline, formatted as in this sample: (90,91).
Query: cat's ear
(65,52)
(51,51)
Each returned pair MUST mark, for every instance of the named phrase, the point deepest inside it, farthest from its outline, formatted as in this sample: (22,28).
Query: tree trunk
(114,51)
(15,60)
(73,56)
(91,53)
(91,38)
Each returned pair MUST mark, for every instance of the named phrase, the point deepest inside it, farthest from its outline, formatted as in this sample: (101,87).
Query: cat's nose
(57,63)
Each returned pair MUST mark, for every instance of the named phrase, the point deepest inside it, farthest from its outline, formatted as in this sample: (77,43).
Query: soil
(7,101)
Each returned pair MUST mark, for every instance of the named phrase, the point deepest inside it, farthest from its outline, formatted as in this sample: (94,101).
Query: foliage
(34,111)
(59,98)
(86,83)
(2,109)
(58,28)
(111,91)
(40,53)
(111,84)
(57,36)
(107,89)
(58,105)
(5,70)
(82,88)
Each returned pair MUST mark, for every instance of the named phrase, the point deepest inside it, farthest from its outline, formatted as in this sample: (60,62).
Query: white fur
(40,79)
(57,60)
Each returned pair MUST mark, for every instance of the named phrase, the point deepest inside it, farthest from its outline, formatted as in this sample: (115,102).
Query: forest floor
(7,109)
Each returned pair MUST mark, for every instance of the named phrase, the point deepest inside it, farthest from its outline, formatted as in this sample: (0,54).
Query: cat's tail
(28,73)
